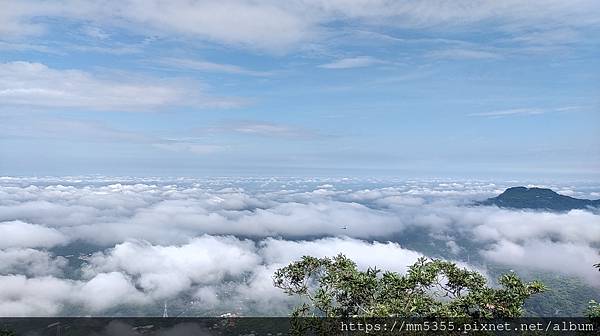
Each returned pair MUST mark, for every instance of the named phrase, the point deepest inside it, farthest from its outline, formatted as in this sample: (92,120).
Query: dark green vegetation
(565,295)
(7,332)
(594,307)
(538,198)
(334,287)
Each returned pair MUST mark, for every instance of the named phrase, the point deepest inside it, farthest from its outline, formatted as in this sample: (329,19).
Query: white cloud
(37,85)
(566,258)
(265,129)
(526,111)
(15,19)
(206,66)
(219,274)
(171,213)
(253,25)
(21,234)
(278,26)
(167,237)
(41,296)
(30,262)
(461,54)
(25,47)
(177,219)
(164,271)
(48,295)
(107,290)
(95,32)
(195,148)
(352,62)
(82,130)
(550,37)
(574,226)
(60,128)
(363,253)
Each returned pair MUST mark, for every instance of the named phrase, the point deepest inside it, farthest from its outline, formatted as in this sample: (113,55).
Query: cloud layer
(211,246)
(277,26)
(214,274)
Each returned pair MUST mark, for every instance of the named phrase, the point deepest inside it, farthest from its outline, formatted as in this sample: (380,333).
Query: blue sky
(498,89)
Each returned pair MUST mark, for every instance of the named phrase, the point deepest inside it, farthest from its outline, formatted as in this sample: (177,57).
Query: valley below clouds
(127,246)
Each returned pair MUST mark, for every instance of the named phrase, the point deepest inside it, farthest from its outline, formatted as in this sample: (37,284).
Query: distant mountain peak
(538,198)
(532,189)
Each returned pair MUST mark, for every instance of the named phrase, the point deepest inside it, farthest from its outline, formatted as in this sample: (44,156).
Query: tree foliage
(594,307)
(334,287)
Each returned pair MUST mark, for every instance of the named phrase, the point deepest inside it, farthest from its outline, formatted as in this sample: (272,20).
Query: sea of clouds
(97,246)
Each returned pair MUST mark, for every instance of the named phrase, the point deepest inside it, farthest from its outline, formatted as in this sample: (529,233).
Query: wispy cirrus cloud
(265,129)
(37,85)
(199,141)
(189,147)
(206,66)
(464,54)
(282,26)
(525,111)
(93,132)
(352,62)
(254,25)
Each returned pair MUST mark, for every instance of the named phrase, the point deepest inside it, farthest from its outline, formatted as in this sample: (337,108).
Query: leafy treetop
(594,307)
(334,287)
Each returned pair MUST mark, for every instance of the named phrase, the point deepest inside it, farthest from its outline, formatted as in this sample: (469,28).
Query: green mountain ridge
(538,198)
